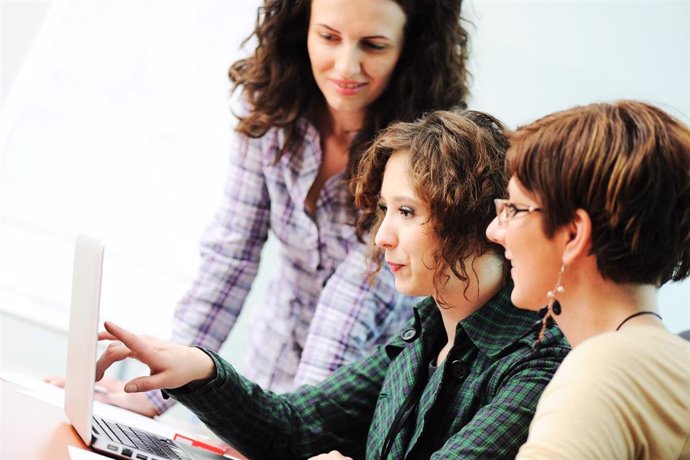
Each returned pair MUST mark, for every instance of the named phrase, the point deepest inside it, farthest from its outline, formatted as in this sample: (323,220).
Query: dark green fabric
(484,414)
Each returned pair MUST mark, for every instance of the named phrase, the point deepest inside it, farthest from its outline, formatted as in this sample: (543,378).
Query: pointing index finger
(131,341)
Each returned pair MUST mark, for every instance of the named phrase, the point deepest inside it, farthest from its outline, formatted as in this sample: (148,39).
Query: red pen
(197,443)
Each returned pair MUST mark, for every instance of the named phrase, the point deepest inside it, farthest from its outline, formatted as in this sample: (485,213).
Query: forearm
(206,315)
(234,409)
(313,420)
(230,253)
(208,312)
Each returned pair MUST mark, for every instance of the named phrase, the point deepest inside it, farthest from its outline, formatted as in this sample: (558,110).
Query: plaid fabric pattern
(320,311)
(478,404)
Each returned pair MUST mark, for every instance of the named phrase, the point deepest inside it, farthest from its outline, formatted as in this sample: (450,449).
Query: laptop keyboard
(141,440)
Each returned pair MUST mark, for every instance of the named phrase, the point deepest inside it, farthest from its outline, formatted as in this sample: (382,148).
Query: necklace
(638,314)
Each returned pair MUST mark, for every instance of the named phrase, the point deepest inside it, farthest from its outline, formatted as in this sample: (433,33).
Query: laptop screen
(83,334)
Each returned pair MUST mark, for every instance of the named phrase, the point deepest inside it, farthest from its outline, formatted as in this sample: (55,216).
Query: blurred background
(115,120)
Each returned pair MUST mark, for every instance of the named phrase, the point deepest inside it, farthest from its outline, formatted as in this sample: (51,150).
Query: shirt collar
(492,328)
(310,135)
(498,324)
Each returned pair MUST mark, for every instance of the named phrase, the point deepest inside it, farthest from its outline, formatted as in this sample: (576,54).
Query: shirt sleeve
(352,317)
(499,428)
(333,415)
(230,254)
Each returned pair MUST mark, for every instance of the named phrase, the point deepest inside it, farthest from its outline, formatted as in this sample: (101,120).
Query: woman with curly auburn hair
(461,380)
(324,77)
(597,220)
(439,176)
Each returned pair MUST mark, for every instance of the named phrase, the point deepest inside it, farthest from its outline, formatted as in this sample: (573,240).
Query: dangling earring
(553,307)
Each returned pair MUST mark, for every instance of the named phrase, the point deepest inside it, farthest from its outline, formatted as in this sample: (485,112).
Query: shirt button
(408,335)
(458,370)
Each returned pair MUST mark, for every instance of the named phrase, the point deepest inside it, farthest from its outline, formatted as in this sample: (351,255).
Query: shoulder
(528,361)
(499,329)
(267,146)
(627,350)
(612,370)
(608,387)
(547,353)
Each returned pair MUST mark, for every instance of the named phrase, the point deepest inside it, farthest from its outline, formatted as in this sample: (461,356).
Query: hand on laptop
(115,395)
(172,365)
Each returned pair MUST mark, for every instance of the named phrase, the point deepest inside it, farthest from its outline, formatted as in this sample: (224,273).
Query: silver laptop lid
(83,334)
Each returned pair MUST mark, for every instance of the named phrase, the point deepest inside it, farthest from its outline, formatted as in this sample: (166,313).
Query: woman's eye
(406,212)
(374,46)
(382,207)
(328,37)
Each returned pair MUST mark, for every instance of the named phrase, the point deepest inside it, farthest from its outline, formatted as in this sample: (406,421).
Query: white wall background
(534,57)
(115,122)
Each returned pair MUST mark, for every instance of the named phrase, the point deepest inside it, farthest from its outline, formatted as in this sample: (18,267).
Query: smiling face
(405,234)
(535,259)
(353,47)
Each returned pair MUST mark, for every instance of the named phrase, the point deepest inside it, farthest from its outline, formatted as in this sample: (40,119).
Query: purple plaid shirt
(320,311)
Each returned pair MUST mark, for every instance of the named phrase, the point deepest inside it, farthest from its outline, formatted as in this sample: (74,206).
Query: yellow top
(619,395)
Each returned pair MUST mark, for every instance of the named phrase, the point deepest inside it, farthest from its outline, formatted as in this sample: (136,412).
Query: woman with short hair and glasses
(598,218)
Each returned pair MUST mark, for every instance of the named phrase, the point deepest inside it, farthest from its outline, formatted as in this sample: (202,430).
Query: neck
(340,124)
(593,306)
(457,303)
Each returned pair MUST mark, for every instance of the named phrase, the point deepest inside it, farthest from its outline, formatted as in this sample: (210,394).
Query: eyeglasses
(506,211)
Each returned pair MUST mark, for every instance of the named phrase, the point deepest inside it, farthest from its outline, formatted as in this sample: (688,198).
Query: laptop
(104,436)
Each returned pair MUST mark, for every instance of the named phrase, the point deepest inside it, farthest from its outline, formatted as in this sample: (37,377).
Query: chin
(345,106)
(343,102)
(523,303)
(412,291)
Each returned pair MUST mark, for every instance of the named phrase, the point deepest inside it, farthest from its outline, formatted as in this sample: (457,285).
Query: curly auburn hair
(278,84)
(627,164)
(456,167)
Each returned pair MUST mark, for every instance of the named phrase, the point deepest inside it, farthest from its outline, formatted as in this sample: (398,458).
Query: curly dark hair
(628,165)
(278,84)
(456,167)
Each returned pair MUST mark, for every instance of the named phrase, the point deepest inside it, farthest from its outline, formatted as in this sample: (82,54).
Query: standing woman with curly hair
(325,76)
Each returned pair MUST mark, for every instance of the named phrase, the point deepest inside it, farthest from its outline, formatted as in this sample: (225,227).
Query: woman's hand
(172,365)
(114,394)
(332,455)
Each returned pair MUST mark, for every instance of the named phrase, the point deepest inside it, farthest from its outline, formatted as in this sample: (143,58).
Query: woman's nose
(385,237)
(348,61)
(495,232)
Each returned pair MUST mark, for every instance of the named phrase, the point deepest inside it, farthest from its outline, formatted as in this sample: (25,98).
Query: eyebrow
(368,37)
(404,198)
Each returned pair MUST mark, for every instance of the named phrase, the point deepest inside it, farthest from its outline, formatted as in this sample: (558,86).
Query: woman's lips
(347,87)
(395,267)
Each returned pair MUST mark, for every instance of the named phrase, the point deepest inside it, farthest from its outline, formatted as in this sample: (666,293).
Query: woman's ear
(579,237)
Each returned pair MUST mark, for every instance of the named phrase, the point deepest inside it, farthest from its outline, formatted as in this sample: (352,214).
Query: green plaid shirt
(478,404)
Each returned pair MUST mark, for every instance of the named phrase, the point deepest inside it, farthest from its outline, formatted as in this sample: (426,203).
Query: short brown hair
(457,168)
(628,165)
